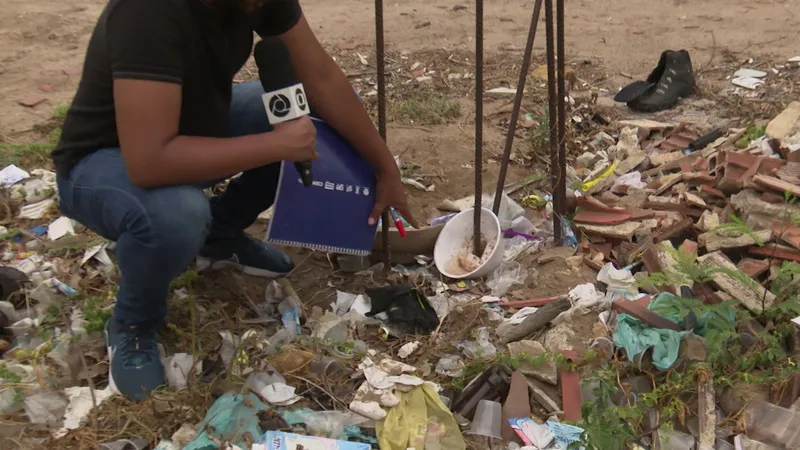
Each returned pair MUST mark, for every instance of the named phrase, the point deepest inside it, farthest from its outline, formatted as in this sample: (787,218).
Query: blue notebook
(331,215)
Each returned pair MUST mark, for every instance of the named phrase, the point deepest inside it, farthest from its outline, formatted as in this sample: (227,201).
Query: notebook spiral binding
(321,248)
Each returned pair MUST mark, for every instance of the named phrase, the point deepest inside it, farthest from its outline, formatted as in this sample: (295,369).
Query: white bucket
(456,238)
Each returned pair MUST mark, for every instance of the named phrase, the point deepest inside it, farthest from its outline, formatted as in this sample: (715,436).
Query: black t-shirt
(198,45)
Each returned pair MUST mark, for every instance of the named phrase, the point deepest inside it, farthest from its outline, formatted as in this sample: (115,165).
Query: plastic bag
(232,418)
(508,274)
(480,348)
(509,210)
(46,408)
(420,421)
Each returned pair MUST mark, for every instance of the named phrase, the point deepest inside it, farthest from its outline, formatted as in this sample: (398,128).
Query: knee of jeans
(180,218)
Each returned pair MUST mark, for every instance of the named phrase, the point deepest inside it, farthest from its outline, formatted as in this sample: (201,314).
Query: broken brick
(602,217)
(30,102)
(46,88)
(689,246)
(674,230)
(71,71)
(642,313)
(571,400)
(753,267)
(788,233)
(711,191)
(776,184)
(777,251)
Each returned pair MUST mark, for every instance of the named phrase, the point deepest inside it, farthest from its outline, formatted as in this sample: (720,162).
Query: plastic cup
(487,419)
(455,238)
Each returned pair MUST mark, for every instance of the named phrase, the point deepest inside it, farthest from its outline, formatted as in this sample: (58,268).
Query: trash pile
(663,319)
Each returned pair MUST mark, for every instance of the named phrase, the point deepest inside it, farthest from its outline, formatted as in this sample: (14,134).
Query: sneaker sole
(205,264)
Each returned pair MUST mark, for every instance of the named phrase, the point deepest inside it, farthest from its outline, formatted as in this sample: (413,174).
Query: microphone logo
(280,106)
(300,99)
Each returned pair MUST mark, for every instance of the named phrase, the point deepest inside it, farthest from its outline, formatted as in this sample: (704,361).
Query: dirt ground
(608,44)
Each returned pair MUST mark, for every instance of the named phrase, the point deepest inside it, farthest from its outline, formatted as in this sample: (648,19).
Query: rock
(693,349)
(574,262)
(708,221)
(782,125)
(46,88)
(72,71)
(546,372)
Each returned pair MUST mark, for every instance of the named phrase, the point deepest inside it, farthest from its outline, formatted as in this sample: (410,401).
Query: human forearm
(333,96)
(193,159)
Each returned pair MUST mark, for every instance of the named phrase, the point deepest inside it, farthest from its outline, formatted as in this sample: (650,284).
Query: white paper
(36,210)
(749,73)
(407,349)
(12,174)
(280,394)
(747,82)
(80,404)
(60,228)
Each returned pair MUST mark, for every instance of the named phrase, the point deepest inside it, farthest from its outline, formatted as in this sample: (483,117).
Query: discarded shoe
(671,80)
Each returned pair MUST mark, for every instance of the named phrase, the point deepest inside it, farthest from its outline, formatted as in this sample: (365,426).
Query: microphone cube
(285,104)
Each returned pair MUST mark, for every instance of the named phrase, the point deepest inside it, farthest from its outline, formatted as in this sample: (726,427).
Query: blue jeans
(159,232)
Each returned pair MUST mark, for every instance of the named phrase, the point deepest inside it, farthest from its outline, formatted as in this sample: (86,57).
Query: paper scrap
(60,228)
(11,175)
(747,82)
(36,210)
(749,73)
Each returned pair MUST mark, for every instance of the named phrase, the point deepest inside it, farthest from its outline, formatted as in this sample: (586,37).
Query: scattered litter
(749,73)
(36,210)
(81,403)
(11,175)
(480,348)
(59,228)
(747,82)
(407,349)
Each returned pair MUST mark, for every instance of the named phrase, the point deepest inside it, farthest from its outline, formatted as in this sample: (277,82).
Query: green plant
(753,132)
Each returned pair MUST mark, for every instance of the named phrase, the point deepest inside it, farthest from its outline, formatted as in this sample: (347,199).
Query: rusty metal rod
(561,185)
(380,57)
(476,236)
(512,126)
(552,110)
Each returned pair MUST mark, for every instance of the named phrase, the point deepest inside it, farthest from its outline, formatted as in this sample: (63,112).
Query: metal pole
(476,237)
(381,63)
(561,185)
(552,119)
(512,126)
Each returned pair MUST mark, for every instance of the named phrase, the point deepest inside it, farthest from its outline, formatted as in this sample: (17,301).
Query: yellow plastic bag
(420,421)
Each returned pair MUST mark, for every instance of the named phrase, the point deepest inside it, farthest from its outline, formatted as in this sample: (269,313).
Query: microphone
(284,97)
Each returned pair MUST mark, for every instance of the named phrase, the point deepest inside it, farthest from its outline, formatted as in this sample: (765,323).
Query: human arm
(148,113)
(330,92)
(145,48)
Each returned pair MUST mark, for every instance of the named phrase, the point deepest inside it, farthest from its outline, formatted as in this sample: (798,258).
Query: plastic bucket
(456,239)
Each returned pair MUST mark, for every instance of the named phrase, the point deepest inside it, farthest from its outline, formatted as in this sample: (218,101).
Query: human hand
(390,193)
(298,139)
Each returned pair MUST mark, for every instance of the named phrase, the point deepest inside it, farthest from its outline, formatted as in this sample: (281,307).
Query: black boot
(671,80)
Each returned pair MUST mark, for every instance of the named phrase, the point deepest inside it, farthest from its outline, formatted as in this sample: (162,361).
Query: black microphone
(284,97)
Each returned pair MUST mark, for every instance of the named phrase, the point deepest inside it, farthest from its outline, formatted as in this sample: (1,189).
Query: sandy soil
(42,42)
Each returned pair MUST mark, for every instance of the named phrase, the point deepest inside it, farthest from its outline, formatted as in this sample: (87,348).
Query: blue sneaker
(245,253)
(135,369)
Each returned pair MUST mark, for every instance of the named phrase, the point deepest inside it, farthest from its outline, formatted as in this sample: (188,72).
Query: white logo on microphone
(285,104)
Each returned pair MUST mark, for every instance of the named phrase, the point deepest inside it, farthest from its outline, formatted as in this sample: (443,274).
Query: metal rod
(552,119)
(512,126)
(381,63)
(476,236)
(561,185)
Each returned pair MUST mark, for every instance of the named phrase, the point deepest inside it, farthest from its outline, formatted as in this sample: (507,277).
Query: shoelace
(137,346)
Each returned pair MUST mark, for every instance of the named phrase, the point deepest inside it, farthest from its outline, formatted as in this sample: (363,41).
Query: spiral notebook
(330,215)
